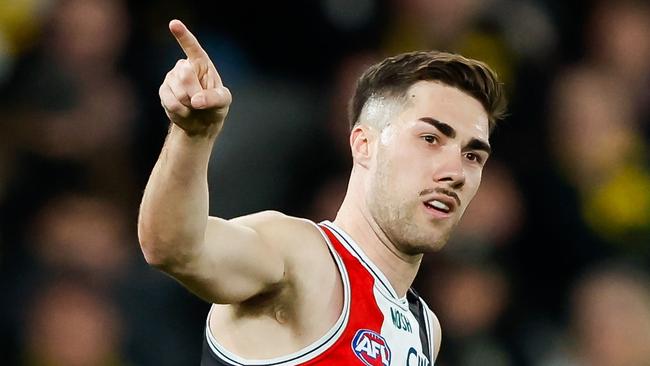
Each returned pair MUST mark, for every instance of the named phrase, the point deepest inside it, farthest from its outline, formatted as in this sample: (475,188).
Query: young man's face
(427,166)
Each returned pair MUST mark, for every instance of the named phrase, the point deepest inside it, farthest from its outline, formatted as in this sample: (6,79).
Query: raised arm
(221,261)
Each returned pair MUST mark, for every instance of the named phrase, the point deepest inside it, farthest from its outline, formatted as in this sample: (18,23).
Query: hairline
(402,100)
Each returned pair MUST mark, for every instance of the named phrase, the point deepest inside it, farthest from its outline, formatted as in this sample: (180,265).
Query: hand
(192,93)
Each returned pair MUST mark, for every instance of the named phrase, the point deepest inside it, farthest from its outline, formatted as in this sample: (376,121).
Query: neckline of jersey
(356,249)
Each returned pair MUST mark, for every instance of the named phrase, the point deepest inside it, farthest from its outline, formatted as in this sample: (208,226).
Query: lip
(446,199)
(436,213)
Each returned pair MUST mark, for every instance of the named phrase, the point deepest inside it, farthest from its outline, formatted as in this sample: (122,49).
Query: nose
(450,169)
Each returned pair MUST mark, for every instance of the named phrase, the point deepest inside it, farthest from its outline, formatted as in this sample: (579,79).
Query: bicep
(236,260)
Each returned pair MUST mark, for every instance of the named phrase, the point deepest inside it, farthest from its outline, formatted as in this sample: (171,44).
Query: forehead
(446,104)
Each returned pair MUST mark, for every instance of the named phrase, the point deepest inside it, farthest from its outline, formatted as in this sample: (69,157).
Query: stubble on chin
(403,228)
(415,239)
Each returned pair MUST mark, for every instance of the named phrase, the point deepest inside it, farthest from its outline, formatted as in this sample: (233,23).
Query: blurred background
(550,264)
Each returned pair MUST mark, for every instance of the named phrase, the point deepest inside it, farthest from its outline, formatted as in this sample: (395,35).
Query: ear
(361,145)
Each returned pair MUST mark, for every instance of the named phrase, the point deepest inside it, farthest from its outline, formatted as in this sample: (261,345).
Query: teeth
(439,205)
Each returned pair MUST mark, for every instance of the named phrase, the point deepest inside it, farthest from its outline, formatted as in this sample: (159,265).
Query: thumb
(212,98)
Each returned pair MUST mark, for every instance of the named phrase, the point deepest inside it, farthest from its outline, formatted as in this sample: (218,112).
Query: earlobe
(360,145)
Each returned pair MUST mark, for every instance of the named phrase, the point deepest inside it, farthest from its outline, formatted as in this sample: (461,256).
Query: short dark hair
(393,76)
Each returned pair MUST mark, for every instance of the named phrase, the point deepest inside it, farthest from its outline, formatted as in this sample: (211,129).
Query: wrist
(180,137)
(203,136)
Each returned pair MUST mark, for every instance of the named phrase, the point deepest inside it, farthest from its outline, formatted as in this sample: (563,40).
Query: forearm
(174,209)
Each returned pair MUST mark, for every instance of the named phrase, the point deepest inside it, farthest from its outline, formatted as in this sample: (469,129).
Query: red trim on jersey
(364,312)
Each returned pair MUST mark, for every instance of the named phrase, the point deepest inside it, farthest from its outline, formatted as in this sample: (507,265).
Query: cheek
(413,157)
(392,176)
(472,185)
(403,162)
(408,171)
(388,169)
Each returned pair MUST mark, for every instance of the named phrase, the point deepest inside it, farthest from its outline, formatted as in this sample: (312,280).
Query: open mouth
(438,206)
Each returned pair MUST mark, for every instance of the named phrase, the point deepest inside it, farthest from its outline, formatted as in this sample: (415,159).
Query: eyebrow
(447,130)
(476,144)
(444,128)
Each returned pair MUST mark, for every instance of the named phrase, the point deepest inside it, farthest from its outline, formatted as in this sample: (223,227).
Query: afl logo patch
(371,348)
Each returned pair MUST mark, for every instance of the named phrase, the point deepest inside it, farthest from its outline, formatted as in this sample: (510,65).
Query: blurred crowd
(549,267)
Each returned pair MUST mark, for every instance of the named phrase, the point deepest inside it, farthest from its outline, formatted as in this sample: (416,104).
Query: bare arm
(221,261)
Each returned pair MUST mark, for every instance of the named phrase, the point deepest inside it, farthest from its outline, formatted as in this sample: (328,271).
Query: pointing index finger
(187,41)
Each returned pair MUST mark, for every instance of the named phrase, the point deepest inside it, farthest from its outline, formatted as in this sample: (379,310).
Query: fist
(192,93)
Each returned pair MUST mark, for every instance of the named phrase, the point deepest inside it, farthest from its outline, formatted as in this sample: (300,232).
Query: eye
(430,139)
(473,157)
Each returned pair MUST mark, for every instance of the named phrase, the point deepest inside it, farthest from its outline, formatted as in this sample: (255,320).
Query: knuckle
(227,96)
(185,100)
(178,68)
(174,106)
(186,65)
(186,76)
(164,101)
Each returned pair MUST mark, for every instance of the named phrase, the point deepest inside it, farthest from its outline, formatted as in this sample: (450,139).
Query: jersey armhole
(435,331)
(307,353)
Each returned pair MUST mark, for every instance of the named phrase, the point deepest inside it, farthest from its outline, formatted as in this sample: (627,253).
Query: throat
(398,267)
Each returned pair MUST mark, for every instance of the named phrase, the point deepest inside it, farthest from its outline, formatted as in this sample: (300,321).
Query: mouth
(440,206)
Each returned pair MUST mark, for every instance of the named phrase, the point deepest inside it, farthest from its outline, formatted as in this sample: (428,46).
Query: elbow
(152,253)
(159,255)
(169,255)
(152,247)
(165,249)
(147,242)
(153,259)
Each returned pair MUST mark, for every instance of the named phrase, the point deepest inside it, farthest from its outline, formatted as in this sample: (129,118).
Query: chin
(436,237)
(425,241)
(435,245)
(417,235)
(421,248)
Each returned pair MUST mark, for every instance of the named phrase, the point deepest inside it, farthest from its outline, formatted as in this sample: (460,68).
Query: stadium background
(549,266)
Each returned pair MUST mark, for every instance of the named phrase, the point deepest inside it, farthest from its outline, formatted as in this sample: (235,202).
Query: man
(287,291)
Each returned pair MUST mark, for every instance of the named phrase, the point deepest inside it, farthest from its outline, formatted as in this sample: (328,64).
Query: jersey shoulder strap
(423,314)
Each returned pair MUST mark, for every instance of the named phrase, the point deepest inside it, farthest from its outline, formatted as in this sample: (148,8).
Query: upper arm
(239,258)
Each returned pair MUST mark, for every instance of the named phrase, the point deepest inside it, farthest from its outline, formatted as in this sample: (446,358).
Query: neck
(400,268)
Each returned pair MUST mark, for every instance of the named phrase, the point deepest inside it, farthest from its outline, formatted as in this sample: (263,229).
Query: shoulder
(286,233)
(278,224)
(304,249)
(265,220)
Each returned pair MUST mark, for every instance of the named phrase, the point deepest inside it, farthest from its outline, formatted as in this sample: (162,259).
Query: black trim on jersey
(417,309)
(220,358)
(208,358)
